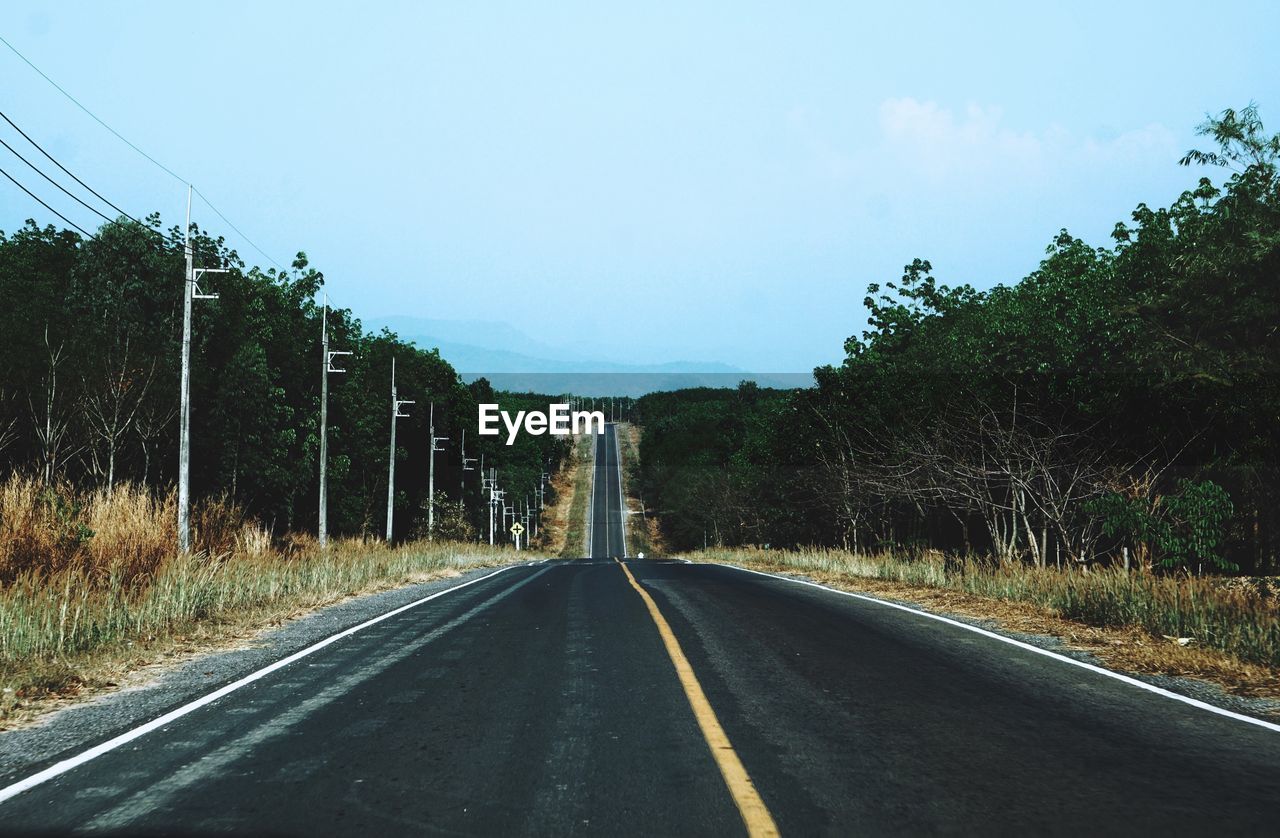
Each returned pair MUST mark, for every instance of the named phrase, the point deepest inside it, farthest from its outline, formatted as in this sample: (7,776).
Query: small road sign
(517,528)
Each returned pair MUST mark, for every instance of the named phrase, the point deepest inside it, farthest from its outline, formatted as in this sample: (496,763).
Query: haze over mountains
(513,360)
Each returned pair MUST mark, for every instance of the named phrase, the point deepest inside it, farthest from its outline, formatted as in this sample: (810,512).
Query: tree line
(1119,404)
(89,386)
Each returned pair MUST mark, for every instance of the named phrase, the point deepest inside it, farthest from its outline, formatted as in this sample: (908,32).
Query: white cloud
(936,143)
(1151,141)
(939,143)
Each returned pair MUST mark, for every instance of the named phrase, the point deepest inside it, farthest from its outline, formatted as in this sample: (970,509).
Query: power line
(91,114)
(227,221)
(93,209)
(163,244)
(124,140)
(46,206)
(60,166)
(65,191)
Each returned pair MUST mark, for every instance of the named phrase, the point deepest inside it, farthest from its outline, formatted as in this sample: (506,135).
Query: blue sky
(647,182)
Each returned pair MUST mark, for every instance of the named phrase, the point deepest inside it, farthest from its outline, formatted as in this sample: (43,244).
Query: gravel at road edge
(72,729)
(1263,708)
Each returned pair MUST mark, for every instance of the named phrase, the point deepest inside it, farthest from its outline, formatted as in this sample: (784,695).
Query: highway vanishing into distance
(651,697)
(606,534)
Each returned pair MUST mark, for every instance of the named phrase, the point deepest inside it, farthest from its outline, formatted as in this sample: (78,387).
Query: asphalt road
(546,700)
(606,538)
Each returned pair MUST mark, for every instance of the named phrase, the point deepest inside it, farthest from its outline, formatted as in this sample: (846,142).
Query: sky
(643,182)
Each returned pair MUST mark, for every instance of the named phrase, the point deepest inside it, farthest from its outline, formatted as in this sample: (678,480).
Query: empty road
(642,697)
(606,538)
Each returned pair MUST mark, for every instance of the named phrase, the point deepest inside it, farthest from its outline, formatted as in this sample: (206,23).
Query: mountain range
(513,360)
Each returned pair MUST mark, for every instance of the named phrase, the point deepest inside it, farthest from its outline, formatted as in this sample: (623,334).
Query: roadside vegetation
(91,587)
(575,527)
(91,584)
(89,388)
(1117,407)
(557,528)
(1089,452)
(642,529)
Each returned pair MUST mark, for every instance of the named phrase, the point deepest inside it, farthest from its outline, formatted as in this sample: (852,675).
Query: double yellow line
(754,813)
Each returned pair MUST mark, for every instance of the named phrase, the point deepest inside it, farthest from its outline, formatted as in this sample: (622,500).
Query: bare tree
(1026,478)
(8,419)
(151,420)
(848,465)
(52,425)
(112,409)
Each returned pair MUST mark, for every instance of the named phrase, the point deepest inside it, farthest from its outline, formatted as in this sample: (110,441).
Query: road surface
(606,538)
(546,700)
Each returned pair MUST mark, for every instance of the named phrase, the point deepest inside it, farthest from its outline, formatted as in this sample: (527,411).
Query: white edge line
(591,507)
(622,503)
(1027,646)
(59,768)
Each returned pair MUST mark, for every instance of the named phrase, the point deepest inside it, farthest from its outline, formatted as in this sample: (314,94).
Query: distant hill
(512,360)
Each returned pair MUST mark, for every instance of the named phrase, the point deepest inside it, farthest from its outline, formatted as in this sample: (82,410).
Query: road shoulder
(1200,674)
(159,688)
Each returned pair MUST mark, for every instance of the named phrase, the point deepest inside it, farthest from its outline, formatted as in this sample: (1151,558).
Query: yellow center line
(754,813)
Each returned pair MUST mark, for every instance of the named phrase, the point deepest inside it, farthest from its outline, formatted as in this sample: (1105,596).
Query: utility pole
(484,488)
(191,291)
(326,367)
(431,475)
(466,467)
(396,404)
(490,484)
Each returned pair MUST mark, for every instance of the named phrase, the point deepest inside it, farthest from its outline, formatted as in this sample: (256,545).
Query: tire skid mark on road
(156,796)
(63,766)
(563,785)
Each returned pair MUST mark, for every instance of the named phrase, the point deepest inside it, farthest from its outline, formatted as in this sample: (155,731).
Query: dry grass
(91,587)
(1132,621)
(643,535)
(554,535)
(575,540)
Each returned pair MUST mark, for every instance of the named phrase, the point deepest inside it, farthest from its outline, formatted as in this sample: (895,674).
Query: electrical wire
(125,140)
(91,114)
(227,221)
(46,206)
(107,201)
(39,148)
(162,244)
(65,191)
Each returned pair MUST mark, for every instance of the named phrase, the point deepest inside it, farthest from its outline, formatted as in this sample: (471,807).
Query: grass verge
(1167,625)
(575,530)
(642,530)
(556,518)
